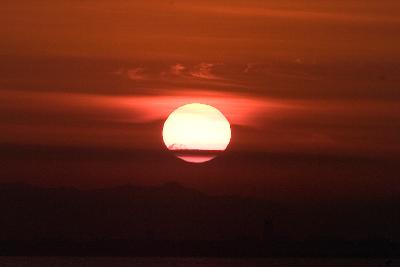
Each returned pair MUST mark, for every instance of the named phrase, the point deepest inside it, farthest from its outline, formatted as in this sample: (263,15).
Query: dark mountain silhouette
(167,212)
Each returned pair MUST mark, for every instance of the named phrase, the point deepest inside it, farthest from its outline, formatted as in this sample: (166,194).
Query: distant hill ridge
(166,212)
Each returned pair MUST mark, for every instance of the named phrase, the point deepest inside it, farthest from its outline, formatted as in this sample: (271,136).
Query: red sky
(311,89)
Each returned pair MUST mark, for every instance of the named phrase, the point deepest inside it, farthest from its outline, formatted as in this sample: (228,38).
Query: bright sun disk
(196,132)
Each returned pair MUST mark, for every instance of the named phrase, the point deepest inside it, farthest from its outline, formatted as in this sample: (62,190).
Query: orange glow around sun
(196,132)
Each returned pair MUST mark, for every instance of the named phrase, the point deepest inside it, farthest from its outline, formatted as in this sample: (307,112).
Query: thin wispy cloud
(274,11)
(204,71)
(136,74)
(177,69)
(47,117)
(132,73)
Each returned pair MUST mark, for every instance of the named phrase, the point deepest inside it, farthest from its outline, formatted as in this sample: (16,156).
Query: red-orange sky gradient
(311,89)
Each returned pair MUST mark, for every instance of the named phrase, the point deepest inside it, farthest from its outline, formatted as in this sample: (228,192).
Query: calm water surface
(190,262)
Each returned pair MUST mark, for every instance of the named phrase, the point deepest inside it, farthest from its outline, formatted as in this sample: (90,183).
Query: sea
(190,262)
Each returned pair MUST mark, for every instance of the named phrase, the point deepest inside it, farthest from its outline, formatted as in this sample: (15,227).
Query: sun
(196,132)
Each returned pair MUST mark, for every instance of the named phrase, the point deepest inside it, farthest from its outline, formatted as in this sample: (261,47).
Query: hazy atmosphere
(310,89)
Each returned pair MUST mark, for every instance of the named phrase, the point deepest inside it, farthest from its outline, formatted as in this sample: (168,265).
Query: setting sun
(196,132)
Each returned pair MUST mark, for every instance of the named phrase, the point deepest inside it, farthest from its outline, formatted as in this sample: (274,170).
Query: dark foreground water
(189,262)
